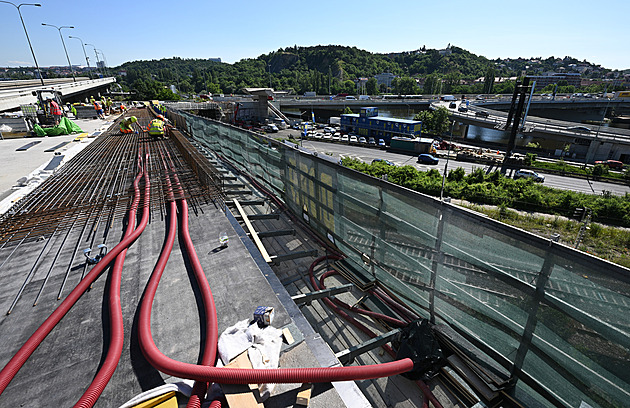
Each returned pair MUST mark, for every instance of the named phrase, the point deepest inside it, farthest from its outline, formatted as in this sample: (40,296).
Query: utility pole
(41,78)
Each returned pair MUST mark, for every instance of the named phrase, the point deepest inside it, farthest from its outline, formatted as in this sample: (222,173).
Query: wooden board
(241,395)
(304,394)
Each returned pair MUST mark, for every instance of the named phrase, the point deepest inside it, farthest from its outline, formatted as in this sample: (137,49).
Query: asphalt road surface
(367,154)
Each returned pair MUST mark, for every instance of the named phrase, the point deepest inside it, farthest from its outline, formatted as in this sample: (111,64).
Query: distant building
(214,59)
(446,51)
(361,83)
(553,78)
(385,78)
(369,124)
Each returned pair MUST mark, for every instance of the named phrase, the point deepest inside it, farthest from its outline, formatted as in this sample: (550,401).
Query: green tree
(405,86)
(488,80)
(372,86)
(436,122)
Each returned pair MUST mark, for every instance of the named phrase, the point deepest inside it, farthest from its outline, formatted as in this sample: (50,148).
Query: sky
(233,30)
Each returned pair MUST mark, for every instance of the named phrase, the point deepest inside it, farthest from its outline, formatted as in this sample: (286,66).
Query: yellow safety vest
(156,127)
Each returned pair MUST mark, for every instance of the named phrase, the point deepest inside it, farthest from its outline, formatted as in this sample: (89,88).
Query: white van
(364,97)
(350,98)
(449,98)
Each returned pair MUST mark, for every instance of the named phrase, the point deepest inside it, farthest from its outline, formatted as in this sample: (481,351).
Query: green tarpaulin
(65,127)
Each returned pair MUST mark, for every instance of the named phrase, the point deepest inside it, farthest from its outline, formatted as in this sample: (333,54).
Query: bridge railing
(556,319)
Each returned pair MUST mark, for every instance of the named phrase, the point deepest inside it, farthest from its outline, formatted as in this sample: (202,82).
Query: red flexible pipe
(209,352)
(245,376)
(210,311)
(116,337)
(17,361)
(425,389)
(391,320)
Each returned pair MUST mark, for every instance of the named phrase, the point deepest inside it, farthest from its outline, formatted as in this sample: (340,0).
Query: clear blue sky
(233,30)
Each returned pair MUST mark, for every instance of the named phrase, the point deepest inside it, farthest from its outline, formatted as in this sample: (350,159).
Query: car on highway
(452,105)
(462,108)
(528,174)
(482,114)
(613,164)
(426,158)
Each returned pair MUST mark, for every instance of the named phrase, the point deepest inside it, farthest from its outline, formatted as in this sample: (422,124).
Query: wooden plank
(253,233)
(304,394)
(80,137)
(241,395)
(288,336)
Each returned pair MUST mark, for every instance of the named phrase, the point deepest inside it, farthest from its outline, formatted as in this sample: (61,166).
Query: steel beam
(309,297)
(347,356)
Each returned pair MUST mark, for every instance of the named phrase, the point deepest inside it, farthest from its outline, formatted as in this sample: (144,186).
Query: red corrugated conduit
(17,361)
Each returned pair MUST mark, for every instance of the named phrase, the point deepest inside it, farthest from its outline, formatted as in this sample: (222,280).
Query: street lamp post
(95,53)
(41,78)
(64,46)
(104,62)
(87,59)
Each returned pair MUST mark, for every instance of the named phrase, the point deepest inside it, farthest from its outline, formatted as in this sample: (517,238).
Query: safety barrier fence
(556,319)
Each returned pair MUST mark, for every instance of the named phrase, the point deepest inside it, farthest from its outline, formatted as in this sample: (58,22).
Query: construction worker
(156,127)
(125,124)
(109,104)
(99,110)
(55,110)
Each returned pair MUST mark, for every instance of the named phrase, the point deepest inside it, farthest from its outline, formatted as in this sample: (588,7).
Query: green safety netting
(560,316)
(65,127)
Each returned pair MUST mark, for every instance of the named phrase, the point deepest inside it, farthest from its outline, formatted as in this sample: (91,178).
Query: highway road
(339,150)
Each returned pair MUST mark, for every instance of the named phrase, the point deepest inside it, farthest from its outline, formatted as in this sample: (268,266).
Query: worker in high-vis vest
(156,128)
(125,124)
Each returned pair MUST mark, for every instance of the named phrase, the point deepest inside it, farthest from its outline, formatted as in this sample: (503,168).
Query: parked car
(353,139)
(389,163)
(345,138)
(327,136)
(336,137)
(426,158)
(371,141)
(381,143)
(531,174)
(319,135)
(613,164)
(362,140)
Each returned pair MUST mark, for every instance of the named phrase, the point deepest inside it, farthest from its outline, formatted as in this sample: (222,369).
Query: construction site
(215,266)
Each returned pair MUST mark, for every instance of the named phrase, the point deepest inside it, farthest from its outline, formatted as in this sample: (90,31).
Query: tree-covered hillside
(332,69)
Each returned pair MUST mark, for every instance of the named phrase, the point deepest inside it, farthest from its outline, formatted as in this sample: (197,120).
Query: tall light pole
(95,53)
(104,61)
(84,53)
(41,78)
(64,46)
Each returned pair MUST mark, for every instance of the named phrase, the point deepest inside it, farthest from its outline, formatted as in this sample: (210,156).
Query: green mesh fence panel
(558,318)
